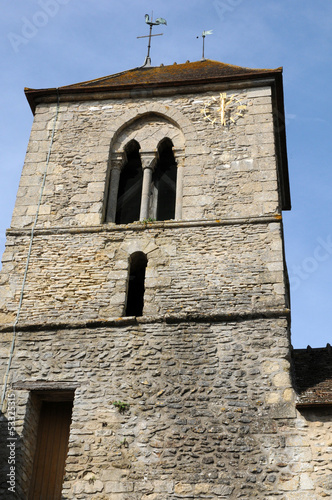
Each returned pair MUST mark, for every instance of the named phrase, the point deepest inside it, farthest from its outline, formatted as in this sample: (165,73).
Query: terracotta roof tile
(189,71)
(313,375)
(195,73)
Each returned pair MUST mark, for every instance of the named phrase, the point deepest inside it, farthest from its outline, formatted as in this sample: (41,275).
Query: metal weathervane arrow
(157,22)
(208,32)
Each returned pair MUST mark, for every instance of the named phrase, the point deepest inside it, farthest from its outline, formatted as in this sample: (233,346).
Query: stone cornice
(38,96)
(190,317)
(142,226)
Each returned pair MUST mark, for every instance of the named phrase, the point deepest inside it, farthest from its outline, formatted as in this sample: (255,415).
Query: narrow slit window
(136,285)
(164,182)
(130,186)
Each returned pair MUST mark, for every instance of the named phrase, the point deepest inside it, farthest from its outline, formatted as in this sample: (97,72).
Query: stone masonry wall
(84,276)
(211,413)
(228,172)
(211,406)
(314,435)
(203,399)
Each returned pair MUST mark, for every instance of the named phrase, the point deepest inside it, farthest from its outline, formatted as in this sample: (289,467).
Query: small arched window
(130,186)
(164,183)
(136,286)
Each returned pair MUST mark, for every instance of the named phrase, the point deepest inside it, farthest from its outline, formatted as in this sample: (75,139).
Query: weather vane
(158,21)
(203,36)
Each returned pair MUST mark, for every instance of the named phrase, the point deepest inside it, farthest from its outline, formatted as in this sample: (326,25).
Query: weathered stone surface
(79,159)
(224,268)
(187,419)
(205,372)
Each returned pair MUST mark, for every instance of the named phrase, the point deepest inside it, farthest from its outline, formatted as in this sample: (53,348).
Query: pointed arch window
(136,285)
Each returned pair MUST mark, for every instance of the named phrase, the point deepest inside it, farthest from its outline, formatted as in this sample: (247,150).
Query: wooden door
(51,450)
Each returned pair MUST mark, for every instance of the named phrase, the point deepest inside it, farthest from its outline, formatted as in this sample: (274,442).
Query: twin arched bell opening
(146,185)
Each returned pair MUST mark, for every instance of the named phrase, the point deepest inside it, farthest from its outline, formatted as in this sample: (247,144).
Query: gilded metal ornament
(224,109)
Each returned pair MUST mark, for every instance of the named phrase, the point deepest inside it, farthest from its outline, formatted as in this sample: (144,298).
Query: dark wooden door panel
(51,451)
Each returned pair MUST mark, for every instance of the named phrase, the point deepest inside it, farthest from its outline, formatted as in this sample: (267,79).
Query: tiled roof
(313,375)
(199,71)
(195,73)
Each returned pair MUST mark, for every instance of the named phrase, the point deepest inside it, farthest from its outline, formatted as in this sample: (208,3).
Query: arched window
(164,183)
(135,296)
(130,186)
(145,184)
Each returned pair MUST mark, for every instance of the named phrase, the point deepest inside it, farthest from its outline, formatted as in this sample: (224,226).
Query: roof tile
(205,69)
(313,375)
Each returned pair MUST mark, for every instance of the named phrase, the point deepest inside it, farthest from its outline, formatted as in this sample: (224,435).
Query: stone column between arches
(179,156)
(148,159)
(117,160)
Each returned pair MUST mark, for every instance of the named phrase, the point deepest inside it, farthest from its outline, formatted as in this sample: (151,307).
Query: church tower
(145,277)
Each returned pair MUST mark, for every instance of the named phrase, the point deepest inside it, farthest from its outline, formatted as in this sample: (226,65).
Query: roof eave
(33,94)
(280,128)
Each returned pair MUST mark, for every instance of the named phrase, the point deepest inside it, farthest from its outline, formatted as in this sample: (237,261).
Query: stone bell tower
(144,275)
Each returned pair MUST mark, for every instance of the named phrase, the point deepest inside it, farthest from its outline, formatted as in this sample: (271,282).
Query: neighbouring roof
(313,375)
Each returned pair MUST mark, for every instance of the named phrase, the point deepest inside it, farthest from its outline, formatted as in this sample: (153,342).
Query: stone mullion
(179,157)
(116,166)
(148,164)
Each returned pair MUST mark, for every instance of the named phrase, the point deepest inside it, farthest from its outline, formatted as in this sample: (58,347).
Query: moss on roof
(190,71)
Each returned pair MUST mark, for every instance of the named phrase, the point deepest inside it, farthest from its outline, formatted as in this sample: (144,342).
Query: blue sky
(50,43)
